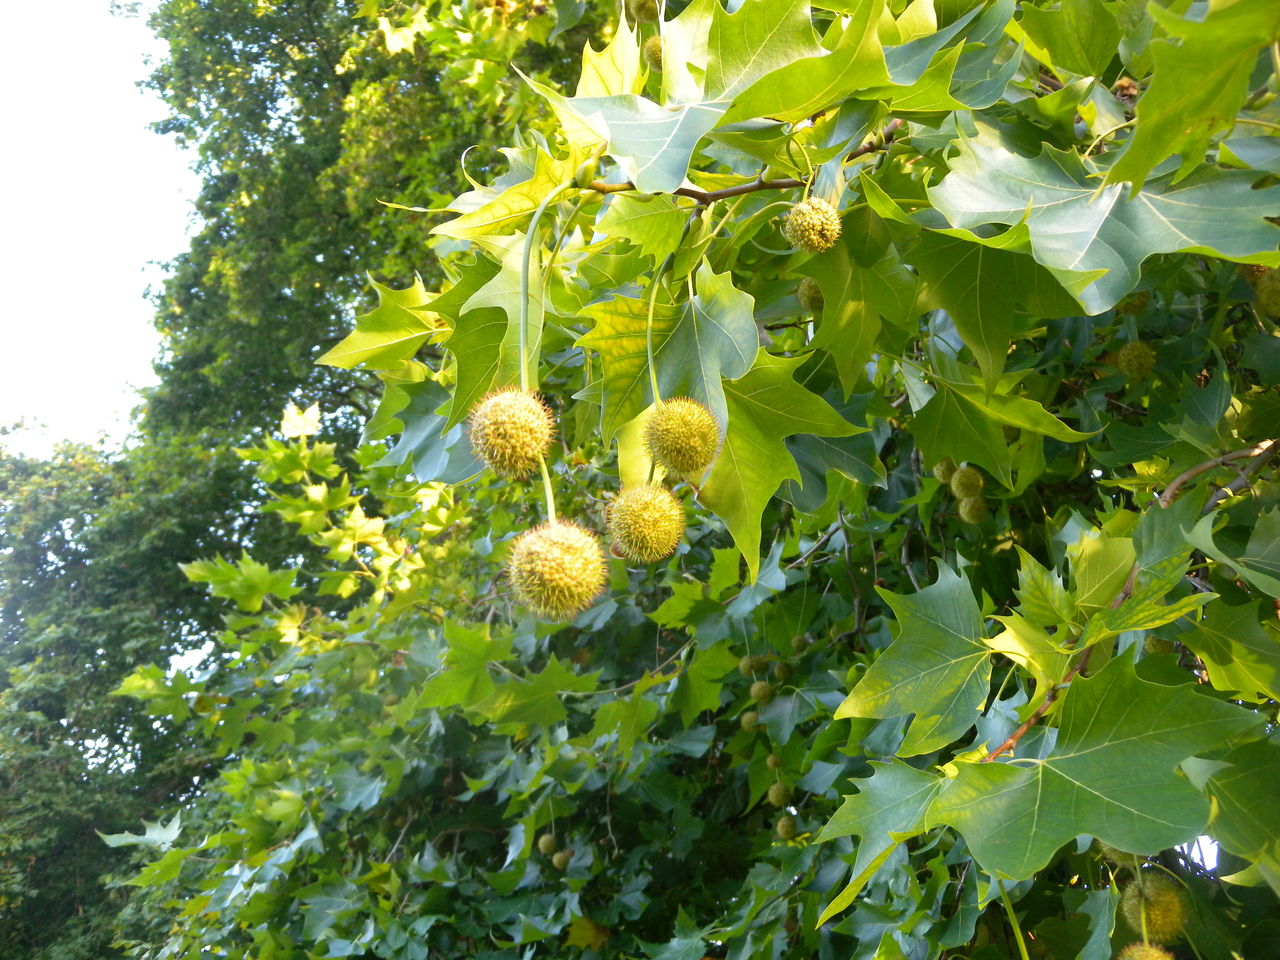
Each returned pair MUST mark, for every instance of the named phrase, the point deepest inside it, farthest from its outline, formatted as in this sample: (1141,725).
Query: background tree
(984,569)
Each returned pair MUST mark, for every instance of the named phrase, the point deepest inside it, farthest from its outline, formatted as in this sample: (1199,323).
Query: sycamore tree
(829,510)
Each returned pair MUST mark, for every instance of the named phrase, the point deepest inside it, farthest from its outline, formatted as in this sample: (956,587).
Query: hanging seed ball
(1267,289)
(973,509)
(944,470)
(779,794)
(799,643)
(810,296)
(642,11)
(1160,899)
(773,761)
(646,522)
(750,721)
(561,859)
(782,671)
(653,53)
(511,431)
(1144,951)
(749,666)
(785,828)
(762,691)
(547,844)
(556,569)
(967,482)
(812,225)
(683,438)
(1136,360)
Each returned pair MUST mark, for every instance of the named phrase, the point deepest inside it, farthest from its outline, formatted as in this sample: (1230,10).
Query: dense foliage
(986,567)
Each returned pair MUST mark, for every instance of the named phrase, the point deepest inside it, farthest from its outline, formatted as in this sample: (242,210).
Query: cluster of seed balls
(557,569)
(763,692)
(966,485)
(1153,906)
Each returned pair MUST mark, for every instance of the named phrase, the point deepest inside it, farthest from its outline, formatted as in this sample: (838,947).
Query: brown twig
(1263,451)
(1040,711)
(705,197)
(1245,478)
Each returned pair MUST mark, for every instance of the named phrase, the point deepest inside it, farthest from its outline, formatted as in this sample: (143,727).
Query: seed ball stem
(646,523)
(511,431)
(556,569)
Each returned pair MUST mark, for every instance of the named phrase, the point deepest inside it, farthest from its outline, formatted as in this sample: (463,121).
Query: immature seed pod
(682,437)
(966,482)
(782,671)
(1159,899)
(556,569)
(561,859)
(642,11)
(1267,289)
(779,794)
(786,828)
(810,296)
(1136,360)
(944,470)
(750,666)
(547,844)
(973,509)
(773,761)
(653,53)
(749,721)
(511,431)
(1144,951)
(646,522)
(812,225)
(762,691)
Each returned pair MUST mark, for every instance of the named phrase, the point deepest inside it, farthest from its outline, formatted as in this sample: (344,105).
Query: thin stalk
(547,493)
(524,280)
(648,330)
(1013,921)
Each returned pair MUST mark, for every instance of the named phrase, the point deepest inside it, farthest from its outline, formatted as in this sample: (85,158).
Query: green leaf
(392,332)
(1027,645)
(764,406)
(625,720)
(1202,74)
(700,683)
(654,224)
(536,700)
(1076,227)
(1245,791)
(1241,653)
(1081,36)
(432,451)
(500,214)
(1259,565)
(1112,774)
(466,681)
(888,808)
(938,667)
(246,582)
(155,834)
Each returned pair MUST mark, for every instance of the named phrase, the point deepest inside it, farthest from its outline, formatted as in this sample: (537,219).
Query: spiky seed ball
(973,509)
(812,225)
(967,482)
(653,53)
(785,828)
(779,794)
(561,859)
(642,11)
(810,296)
(1144,951)
(646,522)
(511,431)
(556,569)
(1136,360)
(1160,898)
(682,436)
(750,721)
(782,671)
(944,470)
(762,691)
(749,666)
(1267,289)
(547,844)
(773,761)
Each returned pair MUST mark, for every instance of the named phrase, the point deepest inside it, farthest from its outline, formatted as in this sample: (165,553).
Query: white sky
(91,196)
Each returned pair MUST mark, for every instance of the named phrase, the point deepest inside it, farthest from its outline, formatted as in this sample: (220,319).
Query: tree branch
(1263,451)
(1041,710)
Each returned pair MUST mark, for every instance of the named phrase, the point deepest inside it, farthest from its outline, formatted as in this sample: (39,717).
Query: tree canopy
(970,634)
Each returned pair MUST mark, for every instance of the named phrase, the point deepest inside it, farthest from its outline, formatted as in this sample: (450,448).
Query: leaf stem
(547,494)
(524,279)
(1013,921)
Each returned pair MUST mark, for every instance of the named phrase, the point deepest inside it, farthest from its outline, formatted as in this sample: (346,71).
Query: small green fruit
(762,691)
(642,11)
(653,53)
(810,296)
(773,761)
(799,644)
(750,721)
(967,482)
(973,509)
(1136,360)
(944,470)
(782,671)
(749,666)
(779,794)
(547,844)
(786,828)
(812,225)
(561,859)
